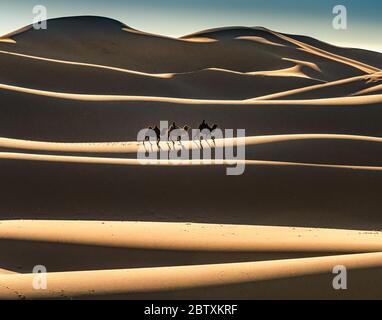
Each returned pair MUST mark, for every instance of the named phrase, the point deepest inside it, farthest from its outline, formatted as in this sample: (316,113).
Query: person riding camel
(157,133)
(175,127)
(205,126)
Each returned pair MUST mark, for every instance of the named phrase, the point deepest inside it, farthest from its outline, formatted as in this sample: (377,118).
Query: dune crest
(74,284)
(192,237)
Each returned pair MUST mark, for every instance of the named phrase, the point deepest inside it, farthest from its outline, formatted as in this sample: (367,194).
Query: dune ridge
(74,284)
(189,236)
(5,271)
(320,52)
(343,87)
(174,162)
(179,51)
(135,146)
(354,100)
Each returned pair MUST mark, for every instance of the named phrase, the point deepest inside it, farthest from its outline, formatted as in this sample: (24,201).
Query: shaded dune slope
(101,38)
(36,117)
(306,195)
(94,79)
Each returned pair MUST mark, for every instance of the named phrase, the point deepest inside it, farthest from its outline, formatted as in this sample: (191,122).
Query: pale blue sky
(179,17)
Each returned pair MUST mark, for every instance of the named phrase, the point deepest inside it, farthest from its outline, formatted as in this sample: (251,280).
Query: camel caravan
(168,142)
(175,133)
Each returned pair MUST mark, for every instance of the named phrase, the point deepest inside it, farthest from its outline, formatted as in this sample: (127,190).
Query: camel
(157,133)
(175,127)
(205,126)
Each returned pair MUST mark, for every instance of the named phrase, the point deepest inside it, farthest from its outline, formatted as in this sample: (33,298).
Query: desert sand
(75,198)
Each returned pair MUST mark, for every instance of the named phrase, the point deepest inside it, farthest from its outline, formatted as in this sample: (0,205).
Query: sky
(179,17)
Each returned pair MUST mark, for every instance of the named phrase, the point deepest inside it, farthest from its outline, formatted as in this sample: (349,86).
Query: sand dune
(369,57)
(72,77)
(353,100)
(5,271)
(192,237)
(121,120)
(133,147)
(172,162)
(5,40)
(340,88)
(320,52)
(163,55)
(106,225)
(371,90)
(56,119)
(303,149)
(85,283)
(343,194)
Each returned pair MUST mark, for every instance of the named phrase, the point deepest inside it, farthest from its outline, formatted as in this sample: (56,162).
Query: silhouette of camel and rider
(203,127)
(174,127)
(157,134)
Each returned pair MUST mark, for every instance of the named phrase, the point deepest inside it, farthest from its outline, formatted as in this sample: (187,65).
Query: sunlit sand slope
(112,282)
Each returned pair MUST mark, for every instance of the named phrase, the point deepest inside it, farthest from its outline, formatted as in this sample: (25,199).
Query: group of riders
(204,127)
